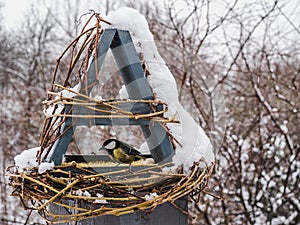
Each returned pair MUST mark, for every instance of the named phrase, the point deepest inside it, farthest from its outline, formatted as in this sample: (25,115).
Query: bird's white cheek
(111,145)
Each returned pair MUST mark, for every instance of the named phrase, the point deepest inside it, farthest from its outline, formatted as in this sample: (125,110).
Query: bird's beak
(102,148)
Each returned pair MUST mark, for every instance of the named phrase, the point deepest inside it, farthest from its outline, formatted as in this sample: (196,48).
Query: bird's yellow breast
(121,156)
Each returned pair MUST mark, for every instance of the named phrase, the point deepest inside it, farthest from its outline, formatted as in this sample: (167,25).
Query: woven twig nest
(88,194)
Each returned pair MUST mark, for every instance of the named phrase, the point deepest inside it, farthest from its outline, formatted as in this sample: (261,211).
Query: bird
(122,152)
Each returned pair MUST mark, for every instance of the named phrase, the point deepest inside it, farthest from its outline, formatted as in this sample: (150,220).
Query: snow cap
(126,18)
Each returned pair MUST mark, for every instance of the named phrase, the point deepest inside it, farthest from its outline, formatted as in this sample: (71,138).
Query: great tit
(122,152)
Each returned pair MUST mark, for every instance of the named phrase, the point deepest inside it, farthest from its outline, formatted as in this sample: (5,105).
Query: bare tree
(241,57)
(25,67)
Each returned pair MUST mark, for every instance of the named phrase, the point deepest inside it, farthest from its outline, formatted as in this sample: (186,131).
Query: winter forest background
(237,66)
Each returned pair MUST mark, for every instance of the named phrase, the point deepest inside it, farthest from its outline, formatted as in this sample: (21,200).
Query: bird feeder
(86,189)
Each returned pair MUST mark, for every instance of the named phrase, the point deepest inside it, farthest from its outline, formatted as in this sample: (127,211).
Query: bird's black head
(110,144)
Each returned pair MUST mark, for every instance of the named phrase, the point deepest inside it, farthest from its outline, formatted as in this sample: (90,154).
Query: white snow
(123,93)
(150,196)
(43,167)
(129,19)
(148,161)
(98,98)
(57,108)
(284,127)
(27,159)
(71,92)
(166,170)
(101,201)
(87,194)
(51,110)
(79,192)
(195,142)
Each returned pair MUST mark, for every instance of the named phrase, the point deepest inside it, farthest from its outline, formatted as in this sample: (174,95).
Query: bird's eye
(111,145)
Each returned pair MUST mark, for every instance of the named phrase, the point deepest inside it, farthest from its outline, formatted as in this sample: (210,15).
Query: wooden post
(165,214)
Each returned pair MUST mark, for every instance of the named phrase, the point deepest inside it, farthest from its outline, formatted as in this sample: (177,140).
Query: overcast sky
(14,10)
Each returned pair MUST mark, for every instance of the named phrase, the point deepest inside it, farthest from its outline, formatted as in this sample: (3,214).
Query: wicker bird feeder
(91,189)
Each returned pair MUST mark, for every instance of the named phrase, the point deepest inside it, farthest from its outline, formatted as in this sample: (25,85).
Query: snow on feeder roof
(180,148)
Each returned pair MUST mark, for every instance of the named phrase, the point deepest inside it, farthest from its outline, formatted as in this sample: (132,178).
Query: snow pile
(43,167)
(195,142)
(27,159)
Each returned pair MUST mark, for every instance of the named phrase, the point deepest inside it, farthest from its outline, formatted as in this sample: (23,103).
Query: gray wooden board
(165,214)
